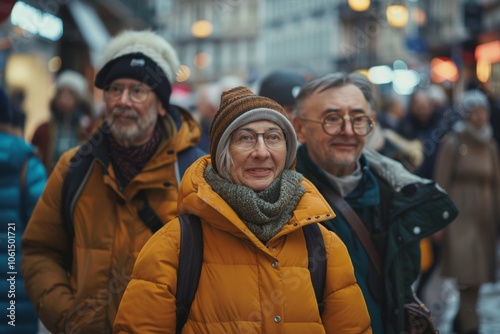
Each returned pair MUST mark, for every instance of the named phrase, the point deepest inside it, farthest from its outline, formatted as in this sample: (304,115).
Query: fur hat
(74,81)
(282,86)
(140,55)
(470,100)
(5,108)
(240,106)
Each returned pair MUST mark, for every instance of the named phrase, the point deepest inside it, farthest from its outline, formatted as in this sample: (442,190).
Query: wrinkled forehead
(344,99)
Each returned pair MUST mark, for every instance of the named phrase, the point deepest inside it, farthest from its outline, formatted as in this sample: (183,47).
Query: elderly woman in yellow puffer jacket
(252,205)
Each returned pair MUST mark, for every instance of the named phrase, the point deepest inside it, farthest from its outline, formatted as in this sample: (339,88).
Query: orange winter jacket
(245,286)
(108,235)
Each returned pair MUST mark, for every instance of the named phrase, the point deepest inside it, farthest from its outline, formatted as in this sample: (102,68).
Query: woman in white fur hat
(71,118)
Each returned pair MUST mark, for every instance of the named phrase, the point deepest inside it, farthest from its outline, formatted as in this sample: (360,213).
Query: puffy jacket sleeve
(345,308)
(148,305)
(45,246)
(36,177)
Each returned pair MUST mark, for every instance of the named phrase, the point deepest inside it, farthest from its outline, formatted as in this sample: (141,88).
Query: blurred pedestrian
(468,167)
(383,211)
(17,97)
(494,106)
(208,102)
(255,206)
(387,142)
(282,86)
(22,179)
(106,198)
(70,121)
(424,122)
(392,112)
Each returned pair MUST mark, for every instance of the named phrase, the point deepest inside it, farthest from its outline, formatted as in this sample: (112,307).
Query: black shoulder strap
(189,270)
(184,160)
(317,261)
(74,181)
(148,214)
(76,178)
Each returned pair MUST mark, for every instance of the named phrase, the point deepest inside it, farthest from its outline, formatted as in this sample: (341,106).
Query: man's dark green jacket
(399,208)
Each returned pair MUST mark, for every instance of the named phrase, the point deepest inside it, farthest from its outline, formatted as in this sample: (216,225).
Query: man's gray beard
(130,136)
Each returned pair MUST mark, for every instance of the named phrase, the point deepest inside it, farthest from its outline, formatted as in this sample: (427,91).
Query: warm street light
(418,16)
(183,73)
(202,60)
(202,29)
(443,69)
(483,71)
(359,5)
(397,16)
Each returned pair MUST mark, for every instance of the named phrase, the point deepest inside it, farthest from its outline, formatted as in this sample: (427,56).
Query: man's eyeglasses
(136,93)
(247,139)
(333,124)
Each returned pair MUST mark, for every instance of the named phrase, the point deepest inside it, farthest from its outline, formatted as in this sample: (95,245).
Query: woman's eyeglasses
(247,139)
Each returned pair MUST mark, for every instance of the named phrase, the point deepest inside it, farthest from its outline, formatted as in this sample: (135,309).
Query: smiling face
(131,123)
(257,167)
(337,154)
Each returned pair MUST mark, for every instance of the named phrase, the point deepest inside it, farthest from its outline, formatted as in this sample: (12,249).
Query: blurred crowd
(136,166)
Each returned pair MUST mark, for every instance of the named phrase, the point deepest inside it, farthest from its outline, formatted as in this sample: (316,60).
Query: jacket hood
(197,197)
(391,171)
(13,151)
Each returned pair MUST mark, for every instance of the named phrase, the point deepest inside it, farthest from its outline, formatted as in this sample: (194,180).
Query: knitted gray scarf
(264,212)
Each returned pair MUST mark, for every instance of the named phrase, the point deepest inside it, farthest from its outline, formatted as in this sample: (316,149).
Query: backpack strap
(184,160)
(317,261)
(189,270)
(148,214)
(79,171)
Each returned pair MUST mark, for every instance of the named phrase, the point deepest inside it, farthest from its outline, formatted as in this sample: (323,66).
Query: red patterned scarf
(129,161)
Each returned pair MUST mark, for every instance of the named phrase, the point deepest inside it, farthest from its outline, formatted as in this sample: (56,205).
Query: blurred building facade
(249,38)
(214,38)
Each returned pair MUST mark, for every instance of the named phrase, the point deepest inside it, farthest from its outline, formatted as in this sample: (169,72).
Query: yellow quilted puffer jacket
(108,237)
(245,286)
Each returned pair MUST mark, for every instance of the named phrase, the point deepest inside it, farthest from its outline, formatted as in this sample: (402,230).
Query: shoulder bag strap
(356,224)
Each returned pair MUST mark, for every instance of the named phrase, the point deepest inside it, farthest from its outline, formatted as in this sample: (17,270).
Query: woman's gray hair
(333,80)
(226,162)
(470,100)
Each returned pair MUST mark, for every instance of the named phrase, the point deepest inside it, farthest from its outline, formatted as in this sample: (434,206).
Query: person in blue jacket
(22,179)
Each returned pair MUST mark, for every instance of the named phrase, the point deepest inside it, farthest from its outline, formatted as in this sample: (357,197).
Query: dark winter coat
(400,209)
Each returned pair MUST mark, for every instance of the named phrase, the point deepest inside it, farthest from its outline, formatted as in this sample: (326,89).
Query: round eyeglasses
(136,93)
(247,139)
(333,124)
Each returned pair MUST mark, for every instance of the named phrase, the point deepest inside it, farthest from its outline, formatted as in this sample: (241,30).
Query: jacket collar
(391,171)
